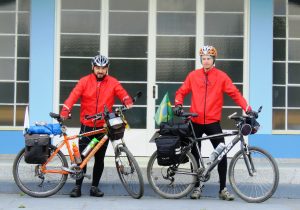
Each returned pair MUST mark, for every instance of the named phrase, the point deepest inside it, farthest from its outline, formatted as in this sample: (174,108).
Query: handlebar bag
(36,148)
(175,129)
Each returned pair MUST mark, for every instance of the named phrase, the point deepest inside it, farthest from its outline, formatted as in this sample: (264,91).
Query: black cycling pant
(99,155)
(210,129)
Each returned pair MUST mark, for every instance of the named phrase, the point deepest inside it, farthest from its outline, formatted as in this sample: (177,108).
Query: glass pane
(22,92)
(279,27)
(176,23)
(23,69)
(136,117)
(229,101)
(75,120)
(294,7)
(65,90)
(224,24)
(7,23)
(227,47)
(7,44)
(74,68)
(24,5)
(294,50)
(23,46)
(278,119)
(171,89)
(279,50)
(278,96)
(6,96)
(128,23)
(7,5)
(128,46)
(293,97)
(234,69)
(132,89)
(173,70)
(279,73)
(227,124)
(293,119)
(20,113)
(128,5)
(175,47)
(228,5)
(176,5)
(75,45)
(7,115)
(79,4)
(23,25)
(294,73)
(294,22)
(7,69)
(80,22)
(128,70)
(279,7)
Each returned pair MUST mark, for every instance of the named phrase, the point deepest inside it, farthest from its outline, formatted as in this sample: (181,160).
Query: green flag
(164,112)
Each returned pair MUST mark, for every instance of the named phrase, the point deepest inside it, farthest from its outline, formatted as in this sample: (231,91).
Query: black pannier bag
(36,148)
(168,150)
(175,129)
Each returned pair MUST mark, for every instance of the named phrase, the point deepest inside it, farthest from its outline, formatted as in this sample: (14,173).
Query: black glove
(252,114)
(178,110)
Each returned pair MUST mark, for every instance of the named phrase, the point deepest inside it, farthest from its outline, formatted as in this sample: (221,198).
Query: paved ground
(63,202)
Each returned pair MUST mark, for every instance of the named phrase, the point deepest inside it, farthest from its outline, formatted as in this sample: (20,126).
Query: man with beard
(95,91)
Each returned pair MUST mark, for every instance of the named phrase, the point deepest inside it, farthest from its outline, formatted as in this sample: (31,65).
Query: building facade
(47,45)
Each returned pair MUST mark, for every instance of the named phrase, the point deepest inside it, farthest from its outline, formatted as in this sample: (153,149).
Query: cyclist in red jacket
(94,90)
(207,86)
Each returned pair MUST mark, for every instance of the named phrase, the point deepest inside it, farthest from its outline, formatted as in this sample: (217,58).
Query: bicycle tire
(261,186)
(27,179)
(129,172)
(182,184)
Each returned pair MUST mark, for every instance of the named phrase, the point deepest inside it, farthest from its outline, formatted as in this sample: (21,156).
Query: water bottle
(90,146)
(76,154)
(216,153)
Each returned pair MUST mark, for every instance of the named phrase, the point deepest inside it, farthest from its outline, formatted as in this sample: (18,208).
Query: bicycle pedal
(87,176)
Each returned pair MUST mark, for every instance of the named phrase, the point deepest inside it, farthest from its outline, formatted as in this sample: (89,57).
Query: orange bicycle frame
(66,142)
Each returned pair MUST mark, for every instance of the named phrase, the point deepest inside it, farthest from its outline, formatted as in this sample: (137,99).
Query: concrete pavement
(289,184)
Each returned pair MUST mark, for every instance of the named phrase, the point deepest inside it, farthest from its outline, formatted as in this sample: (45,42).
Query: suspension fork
(247,157)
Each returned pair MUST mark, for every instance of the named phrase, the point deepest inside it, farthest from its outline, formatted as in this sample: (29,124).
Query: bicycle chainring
(77,174)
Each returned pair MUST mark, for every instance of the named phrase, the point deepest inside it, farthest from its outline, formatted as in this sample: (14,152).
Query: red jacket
(207,94)
(88,89)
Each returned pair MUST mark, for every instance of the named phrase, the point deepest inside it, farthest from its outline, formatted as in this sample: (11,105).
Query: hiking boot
(225,195)
(76,192)
(196,194)
(96,192)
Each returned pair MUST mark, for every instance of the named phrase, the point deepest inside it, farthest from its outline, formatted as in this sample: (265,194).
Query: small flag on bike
(164,112)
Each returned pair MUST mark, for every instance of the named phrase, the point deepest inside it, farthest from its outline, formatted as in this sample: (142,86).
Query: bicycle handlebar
(100,115)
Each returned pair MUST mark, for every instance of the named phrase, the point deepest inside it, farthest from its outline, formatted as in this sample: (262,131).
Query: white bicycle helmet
(100,60)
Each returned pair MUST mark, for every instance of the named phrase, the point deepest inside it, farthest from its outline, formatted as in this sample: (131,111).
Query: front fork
(248,158)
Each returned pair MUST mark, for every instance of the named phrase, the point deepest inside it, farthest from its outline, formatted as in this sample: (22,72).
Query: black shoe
(76,192)
(96,192)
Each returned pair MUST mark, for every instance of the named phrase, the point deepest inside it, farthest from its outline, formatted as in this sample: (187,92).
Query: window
(14,61)
(224,29)
(286,65)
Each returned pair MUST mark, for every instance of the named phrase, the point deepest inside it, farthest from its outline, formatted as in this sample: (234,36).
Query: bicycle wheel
(174,181)
(129,172)
(33,182)
(264,181)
